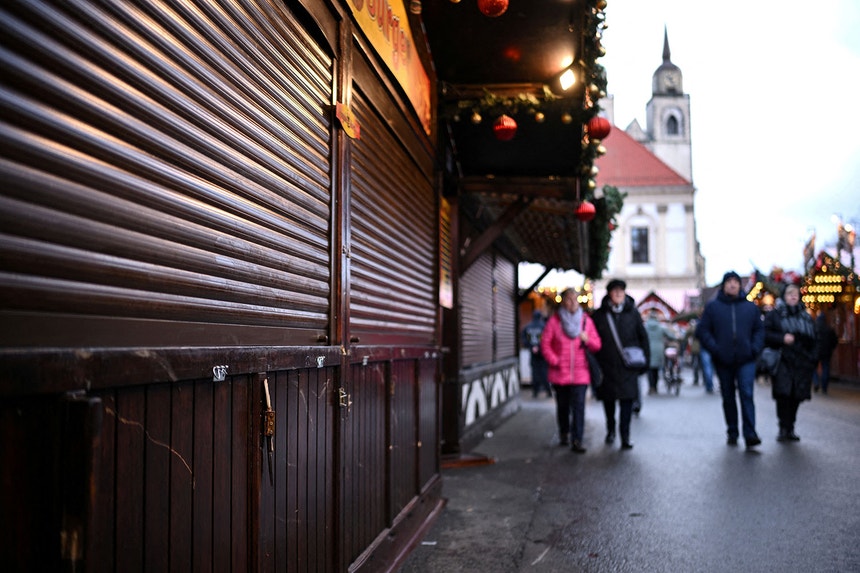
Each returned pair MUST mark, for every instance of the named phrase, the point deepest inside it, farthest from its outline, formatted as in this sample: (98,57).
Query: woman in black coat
(791,329)
(620,383)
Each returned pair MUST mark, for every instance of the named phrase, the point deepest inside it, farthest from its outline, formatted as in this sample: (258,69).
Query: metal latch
(269,431)
(345,401)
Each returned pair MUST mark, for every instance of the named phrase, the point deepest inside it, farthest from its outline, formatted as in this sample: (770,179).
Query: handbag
(594,370)
(768,361)
(633,356)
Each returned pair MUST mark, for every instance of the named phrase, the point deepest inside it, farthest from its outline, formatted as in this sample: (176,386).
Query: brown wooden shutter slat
(167,162)
(393,235)
(179,243)
(505,308)
(476,312)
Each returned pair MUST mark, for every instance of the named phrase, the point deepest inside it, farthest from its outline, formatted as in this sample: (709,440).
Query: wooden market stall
(256,273)
(833,288)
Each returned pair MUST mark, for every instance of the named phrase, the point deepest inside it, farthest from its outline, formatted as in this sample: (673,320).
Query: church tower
(668,116)
(654,248)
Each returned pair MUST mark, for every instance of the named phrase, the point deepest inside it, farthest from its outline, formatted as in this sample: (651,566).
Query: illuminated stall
(831,287)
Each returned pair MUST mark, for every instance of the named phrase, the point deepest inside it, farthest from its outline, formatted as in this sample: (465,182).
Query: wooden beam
(470,252)
(525,294)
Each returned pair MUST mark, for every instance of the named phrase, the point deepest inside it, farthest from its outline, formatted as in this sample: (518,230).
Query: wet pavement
(680,501)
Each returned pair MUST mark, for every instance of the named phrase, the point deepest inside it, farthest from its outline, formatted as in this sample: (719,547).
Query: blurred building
(655,248)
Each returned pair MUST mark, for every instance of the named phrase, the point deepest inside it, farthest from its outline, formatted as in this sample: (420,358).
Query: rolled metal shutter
(505,310)
(392,233)
(166,174)
(476,312)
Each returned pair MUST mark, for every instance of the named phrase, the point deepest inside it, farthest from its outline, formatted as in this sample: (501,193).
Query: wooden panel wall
(297,513)
(404,435)
(173,480)
(429,421)
(400,473)
(365,420)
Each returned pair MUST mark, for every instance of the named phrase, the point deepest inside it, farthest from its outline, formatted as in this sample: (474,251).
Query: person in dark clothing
(657,336)
(620,383)
(827,342)
(790,329)
(731,330)
(531,336)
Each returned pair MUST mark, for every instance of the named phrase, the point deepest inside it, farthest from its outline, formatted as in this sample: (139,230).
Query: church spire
(666,56)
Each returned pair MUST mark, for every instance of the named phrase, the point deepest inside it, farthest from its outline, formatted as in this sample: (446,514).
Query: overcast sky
(774,91)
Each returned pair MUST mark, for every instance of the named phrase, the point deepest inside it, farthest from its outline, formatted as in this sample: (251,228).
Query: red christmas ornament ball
(599,127)
(586,211)
(492,8)
(505,128)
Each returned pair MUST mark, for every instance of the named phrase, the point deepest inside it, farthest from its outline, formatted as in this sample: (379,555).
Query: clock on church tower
(672,81)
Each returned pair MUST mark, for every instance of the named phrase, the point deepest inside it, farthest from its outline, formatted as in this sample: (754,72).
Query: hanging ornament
(611,226)
(585,212)
(599,127)
(476,118)
(505,128)
(539,117)
(492,8)
(566,118)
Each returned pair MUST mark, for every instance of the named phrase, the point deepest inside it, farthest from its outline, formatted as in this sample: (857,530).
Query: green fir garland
(599,232)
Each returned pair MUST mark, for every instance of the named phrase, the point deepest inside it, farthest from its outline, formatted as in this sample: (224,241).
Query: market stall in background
(831,287)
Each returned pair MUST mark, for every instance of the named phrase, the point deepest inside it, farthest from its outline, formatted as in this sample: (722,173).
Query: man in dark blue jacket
(530,339)
(731,330)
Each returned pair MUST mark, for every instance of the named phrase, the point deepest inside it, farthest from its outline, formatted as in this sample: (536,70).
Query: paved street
(680,501)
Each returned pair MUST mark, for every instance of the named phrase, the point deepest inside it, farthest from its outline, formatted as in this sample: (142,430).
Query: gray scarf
(795,320)
(571,322)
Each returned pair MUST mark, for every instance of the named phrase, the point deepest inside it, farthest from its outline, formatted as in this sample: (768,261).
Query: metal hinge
(345,399)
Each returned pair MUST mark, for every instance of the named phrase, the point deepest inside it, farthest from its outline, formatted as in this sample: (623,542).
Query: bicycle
(672,370)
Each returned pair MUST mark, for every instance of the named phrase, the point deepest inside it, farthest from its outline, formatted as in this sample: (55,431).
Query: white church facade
(654,248)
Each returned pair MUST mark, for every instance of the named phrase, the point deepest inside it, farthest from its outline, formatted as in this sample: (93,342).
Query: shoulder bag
(633,356)
(768,361)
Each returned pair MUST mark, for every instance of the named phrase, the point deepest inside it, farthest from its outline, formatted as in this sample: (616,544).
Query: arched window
(672,126)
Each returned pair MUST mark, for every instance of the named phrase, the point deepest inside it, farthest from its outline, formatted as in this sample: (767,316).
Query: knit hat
(785,287)
(731,275)
(616,283)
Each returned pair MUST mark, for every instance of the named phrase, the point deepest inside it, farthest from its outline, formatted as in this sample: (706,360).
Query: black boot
(783,435)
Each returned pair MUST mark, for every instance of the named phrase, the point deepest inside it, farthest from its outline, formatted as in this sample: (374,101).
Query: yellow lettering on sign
(386,25)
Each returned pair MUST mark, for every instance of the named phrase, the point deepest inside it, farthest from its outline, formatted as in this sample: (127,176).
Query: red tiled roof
(628,163)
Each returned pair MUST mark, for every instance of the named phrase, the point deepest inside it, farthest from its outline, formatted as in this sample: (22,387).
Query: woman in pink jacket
(567,335)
